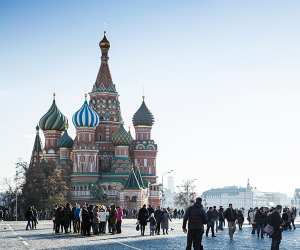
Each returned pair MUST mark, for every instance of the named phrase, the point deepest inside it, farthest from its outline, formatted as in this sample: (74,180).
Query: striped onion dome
(86,117)
(65,141)
(121,137)
(53,119)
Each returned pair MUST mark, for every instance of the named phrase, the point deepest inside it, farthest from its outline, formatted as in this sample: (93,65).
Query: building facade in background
(107,161)
(243,197)
(296,198)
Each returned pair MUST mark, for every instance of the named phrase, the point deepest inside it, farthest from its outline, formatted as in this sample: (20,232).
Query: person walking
(34,217)
(210,222)
(215,218)
(251,216)
(196,218)
(274,219)
(293,216)
(165,221)
(260,221)
(28,217)
(221,218)
(143,216)
(240,218)
(158,217)
(152,223)
(119,220)
(231,217)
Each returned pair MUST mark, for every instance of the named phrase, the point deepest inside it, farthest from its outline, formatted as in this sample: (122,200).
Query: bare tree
(186,193)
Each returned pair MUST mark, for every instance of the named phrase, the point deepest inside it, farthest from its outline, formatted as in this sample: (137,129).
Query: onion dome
(143,116)
(53,119)
(65,141)
(104,43)
(86,116)
(121,137)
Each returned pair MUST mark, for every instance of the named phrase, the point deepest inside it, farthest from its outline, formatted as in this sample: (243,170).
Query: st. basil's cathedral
(104,155)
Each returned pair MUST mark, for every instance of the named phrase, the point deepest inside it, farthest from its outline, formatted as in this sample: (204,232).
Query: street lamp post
(162,185)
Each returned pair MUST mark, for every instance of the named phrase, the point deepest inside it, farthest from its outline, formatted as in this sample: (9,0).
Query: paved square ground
(14,236)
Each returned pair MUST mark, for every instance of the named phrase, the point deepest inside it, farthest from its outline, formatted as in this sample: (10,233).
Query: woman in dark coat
(143,216)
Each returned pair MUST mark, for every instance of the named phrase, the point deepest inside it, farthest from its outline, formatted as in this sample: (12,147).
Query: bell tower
(104,100)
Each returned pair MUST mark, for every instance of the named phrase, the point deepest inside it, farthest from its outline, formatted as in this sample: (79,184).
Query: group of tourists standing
(264,221)
(87,219)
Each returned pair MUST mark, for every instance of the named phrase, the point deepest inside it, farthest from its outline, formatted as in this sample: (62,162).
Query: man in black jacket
(231,217)
(210,222)
(158,217)
(196,217)
(28,217)
(275,220)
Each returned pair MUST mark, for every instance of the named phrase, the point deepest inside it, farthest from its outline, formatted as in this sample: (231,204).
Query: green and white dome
(53,119)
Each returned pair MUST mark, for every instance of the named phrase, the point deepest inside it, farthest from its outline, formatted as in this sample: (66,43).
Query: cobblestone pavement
(14,236)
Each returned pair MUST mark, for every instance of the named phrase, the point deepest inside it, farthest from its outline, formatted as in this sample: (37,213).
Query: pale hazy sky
(222,79)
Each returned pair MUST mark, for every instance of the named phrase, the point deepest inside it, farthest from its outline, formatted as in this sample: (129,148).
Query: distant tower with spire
(104,100)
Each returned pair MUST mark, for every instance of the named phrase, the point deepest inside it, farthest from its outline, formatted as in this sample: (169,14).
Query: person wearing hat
(196,218)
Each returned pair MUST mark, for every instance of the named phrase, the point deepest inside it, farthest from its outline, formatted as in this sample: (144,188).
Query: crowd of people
(99,219)
(87,219)
(90,219)
(269,222)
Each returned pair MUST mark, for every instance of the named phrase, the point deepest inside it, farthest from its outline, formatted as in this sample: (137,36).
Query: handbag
(269,229)
(137,228)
